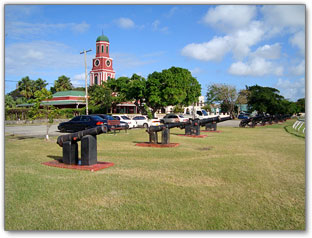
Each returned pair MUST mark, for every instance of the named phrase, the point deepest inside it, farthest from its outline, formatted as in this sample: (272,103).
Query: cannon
(211,123)
(88,146)
(263,120)
(165,132)
(192,127)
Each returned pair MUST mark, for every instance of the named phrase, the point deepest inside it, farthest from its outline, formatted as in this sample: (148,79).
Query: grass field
(239,179)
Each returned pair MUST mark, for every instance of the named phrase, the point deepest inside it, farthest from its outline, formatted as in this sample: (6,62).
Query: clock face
(96,62)
(108,63)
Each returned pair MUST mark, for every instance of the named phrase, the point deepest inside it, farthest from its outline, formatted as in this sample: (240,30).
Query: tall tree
(100,97)
(26,87)
(265,99)
(40,84)
(301,104)
(224,94)
(62,84)
(9,101)
(174,86)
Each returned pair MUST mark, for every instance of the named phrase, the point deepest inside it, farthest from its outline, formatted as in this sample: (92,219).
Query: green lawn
(240,179)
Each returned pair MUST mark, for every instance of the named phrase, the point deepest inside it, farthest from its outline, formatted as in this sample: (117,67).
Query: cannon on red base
(88,146)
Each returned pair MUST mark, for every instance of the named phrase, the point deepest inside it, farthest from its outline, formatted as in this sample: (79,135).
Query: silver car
(174,118)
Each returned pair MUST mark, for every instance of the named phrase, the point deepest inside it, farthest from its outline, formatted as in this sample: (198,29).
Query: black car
(80,123)
(122,124)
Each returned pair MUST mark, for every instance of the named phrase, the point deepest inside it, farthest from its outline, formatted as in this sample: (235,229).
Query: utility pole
(86,77)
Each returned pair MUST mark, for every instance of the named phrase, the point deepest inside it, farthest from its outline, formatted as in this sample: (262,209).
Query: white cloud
(284,15)
(243,39)
(78,80)
(268,51)
(298,40)
(125,23)
(230,17)
(298,69)
(256,67)
(212,50)
(292,90)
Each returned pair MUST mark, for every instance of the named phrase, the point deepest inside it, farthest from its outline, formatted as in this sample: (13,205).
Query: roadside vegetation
(239,179)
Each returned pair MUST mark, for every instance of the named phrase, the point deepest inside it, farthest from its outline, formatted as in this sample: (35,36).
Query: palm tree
(40,84)
(62,84)
(26,87)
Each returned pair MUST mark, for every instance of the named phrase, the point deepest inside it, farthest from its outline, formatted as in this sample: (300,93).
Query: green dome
(102,38)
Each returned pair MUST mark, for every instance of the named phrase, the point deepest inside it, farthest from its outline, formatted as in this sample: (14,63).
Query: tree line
(170,87)
(258,98)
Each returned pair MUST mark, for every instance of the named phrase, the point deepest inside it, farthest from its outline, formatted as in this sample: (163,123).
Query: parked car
(126,119)
(122,124)
(173,118)
(80,123)
(143,121)
(243,116)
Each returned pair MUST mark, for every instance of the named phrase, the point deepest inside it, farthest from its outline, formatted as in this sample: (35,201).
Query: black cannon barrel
(77,136)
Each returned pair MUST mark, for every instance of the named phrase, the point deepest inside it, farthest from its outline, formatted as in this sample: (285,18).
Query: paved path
(32,130)
(40,130)
(230,123)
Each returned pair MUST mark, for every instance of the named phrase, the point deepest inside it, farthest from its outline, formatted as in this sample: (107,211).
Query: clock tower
(102,64)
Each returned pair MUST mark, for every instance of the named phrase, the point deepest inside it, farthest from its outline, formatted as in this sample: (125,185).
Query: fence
(300,123)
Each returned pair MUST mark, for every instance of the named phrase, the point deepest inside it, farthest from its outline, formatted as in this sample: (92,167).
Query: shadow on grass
(58,158)
(286,128)
(22,137)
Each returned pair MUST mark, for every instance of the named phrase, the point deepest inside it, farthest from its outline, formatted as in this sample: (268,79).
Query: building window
(97,49)
(96,79)
(102,48)
(108,77)
(107,49)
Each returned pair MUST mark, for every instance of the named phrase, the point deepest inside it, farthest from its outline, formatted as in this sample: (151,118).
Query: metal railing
(300,123)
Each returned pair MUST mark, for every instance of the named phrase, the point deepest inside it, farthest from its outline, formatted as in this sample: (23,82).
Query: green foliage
(301,104)
(100,96)
(268,100)
(174,86)
(62,84)
(9,101)
(26,86)
(48,112)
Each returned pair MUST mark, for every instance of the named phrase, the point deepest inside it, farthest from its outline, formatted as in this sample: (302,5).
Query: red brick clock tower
(102,64)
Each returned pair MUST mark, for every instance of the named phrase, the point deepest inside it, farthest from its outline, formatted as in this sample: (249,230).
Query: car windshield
(181,116)
(125,118)
(205,113)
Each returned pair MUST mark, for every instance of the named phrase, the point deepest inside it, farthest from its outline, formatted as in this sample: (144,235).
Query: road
(40,130)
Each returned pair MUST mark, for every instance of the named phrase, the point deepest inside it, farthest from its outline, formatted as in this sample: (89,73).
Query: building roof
(50,103)
(102,38)
(69,93)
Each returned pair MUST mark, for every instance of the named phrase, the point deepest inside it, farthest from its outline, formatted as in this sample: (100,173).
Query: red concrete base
(210,131)
(147,144)
(92,168)
(194,136)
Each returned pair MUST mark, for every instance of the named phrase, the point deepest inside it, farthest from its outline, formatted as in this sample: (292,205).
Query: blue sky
(231,44)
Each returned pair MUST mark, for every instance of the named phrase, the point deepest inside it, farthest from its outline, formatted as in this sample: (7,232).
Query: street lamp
(86,77)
